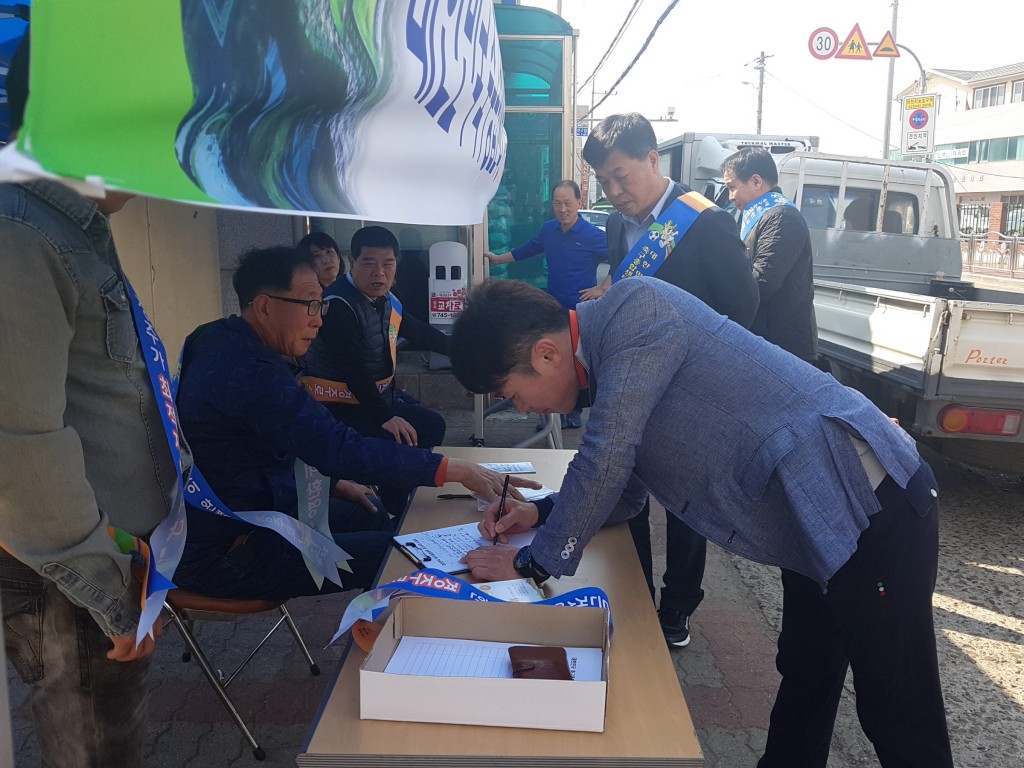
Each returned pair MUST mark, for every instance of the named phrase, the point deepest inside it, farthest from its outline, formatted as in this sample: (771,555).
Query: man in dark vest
(350,366)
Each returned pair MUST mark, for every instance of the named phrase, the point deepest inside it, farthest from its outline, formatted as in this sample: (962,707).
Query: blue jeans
(89,712)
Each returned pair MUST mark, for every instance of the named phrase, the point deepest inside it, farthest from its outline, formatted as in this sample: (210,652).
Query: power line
(636,58)
(822,109)
(615,41)
(950,166)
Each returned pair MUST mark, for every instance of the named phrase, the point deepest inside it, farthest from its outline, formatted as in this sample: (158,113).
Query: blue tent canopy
(13,23)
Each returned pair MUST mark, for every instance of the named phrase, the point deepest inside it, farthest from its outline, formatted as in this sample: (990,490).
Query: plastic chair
(185,608)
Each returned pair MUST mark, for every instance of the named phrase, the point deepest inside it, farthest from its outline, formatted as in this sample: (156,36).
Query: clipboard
(443,548)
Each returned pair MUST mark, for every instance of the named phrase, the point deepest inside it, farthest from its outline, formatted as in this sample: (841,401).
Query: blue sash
(754,210)
(431,582)
(649,253)
(168,540)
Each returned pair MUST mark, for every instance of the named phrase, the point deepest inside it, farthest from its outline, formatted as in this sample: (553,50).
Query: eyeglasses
(314,307)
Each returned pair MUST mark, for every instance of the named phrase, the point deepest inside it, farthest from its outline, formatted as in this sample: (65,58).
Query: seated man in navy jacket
(759,452)
(351,364)
(248,420)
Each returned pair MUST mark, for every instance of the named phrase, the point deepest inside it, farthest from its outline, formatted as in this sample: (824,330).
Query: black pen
(455,496)
(501,508)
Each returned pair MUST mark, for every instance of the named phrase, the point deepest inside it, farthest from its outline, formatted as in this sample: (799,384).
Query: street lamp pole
(888,92)
(922,83)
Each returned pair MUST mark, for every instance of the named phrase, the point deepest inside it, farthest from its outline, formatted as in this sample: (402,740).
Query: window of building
(992,96)
(1017,91)
(997,150)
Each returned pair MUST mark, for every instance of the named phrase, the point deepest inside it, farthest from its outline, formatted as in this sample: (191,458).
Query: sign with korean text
(918,133)
(447,307)
(344,108)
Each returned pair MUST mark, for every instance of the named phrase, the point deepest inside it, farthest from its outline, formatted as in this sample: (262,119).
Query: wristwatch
(528,568)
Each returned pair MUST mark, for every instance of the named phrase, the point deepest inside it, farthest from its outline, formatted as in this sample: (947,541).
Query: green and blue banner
(353,108)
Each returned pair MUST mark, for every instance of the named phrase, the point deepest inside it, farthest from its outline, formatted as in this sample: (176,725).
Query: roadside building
(979,133)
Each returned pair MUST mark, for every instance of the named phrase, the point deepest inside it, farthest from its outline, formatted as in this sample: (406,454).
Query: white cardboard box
(550,704)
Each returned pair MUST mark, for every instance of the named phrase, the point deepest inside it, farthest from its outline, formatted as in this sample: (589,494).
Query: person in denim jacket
(83,449)
(757,451)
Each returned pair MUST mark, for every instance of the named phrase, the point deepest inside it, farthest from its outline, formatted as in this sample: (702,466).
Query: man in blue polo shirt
(573,248)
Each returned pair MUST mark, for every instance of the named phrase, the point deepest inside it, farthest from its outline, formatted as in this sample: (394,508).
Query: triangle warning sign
(887,48)
(854,46)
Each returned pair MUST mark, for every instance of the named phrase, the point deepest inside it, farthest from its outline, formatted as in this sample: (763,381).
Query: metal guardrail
(993,253)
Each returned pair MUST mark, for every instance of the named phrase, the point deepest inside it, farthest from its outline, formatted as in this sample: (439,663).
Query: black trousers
(264,566)
(430,428)
(685,555)
(876,617)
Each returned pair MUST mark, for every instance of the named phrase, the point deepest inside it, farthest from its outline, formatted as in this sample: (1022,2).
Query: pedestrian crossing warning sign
(854,46)
(887,48)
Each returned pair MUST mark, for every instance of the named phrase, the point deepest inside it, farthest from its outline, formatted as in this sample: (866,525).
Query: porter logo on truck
(978,357)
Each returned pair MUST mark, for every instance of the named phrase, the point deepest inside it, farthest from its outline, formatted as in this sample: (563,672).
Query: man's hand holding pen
(497,562)
(519,517)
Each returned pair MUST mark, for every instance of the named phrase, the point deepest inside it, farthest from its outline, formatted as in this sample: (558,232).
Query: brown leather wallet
(539,662)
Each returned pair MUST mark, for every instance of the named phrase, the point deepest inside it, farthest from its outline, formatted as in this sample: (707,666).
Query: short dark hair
(495,334)
(567,184)
(631,133)
(751,160)
(318,240)
(17,84)
(267,269)
(374,237)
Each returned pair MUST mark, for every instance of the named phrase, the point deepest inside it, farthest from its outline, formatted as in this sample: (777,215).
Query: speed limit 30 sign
(823,43)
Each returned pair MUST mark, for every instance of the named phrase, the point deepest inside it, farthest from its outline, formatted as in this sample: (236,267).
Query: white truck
(895,320)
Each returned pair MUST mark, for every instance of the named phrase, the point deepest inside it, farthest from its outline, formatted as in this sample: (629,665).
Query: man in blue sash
(762,453)
(82,450)
(249,421)
(665,230)
(779,246)
(351,364)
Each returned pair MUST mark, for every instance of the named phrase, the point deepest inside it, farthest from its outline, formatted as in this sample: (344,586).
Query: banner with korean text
(353,108)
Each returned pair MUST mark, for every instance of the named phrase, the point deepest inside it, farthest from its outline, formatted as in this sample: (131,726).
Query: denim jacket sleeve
(635,348)
(48,511)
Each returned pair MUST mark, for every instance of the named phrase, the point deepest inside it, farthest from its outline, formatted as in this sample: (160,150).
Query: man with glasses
(251,425)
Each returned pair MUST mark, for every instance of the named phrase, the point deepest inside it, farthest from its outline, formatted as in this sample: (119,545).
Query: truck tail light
(980,421)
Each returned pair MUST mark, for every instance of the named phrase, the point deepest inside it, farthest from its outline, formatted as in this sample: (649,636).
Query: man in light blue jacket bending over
(759,452)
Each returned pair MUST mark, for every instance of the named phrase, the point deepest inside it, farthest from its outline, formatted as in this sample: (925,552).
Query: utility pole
(760,87)
(888,92)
